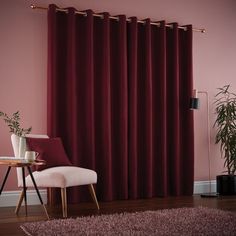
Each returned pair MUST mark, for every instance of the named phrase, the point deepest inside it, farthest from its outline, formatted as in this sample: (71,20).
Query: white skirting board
(10,198)
(204,187)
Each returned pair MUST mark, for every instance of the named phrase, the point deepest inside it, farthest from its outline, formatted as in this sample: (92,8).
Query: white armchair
(55,177)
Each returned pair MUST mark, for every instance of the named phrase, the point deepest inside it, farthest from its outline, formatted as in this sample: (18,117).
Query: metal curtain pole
(116,18)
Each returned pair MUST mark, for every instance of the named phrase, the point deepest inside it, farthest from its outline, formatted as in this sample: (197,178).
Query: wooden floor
(9,222)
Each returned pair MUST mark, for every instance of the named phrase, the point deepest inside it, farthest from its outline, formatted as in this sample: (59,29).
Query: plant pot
(226,184)
(22,147)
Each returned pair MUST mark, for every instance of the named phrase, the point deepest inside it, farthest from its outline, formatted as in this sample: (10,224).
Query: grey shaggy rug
(182,221)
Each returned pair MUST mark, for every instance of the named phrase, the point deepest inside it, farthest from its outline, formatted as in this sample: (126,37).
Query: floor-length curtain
(118,96)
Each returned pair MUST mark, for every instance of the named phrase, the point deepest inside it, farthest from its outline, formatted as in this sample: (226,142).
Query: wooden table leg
(20,201)
(24,188)
(5,179)
(36,188)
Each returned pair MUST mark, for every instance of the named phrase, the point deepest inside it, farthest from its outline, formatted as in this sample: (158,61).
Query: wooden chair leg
(93,194)
(65,205)
(19,202)
(50,198)
(64,202)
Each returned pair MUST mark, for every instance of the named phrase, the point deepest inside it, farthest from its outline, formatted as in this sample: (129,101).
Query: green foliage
(14,124)
(225,123)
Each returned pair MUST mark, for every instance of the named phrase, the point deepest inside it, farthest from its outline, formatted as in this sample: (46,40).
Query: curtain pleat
(119,106)
(133,169)
(173,105)
(102,105)
(160,160)
(118,96)
(187,138)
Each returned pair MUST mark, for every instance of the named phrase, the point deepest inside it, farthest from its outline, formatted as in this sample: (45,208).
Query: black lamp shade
(194,103)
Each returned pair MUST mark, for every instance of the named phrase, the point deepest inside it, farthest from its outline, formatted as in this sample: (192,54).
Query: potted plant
(14,124)
(226,135)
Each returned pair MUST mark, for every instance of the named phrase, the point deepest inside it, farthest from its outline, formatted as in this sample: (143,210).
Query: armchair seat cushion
(62,177)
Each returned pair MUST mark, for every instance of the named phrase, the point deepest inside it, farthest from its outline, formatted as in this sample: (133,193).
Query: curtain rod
(114,17)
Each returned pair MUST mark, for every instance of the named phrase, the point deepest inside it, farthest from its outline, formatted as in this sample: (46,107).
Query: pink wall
(23,56)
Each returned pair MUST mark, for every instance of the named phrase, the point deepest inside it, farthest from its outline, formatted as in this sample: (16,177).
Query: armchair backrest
(19,147)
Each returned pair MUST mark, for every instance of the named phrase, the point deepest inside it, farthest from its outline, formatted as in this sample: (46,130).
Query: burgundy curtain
(118,95)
